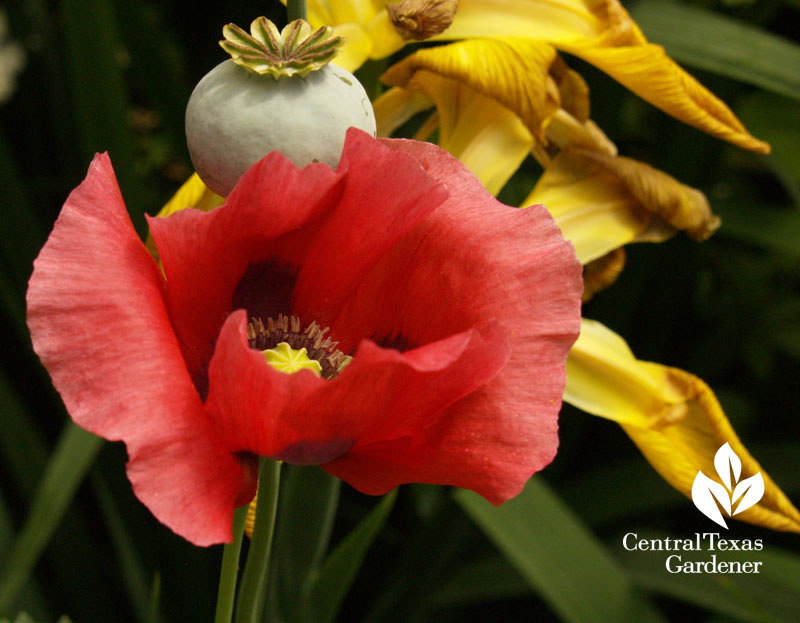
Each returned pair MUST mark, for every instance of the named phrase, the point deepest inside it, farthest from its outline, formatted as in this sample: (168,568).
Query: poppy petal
(307,230)
(205,254)
(485,260)
(301,418)
(98,322)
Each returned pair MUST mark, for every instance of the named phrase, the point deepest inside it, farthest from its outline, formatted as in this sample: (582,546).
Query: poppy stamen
(288,329)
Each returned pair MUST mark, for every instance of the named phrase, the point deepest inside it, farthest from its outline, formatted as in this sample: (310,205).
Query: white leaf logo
(709,495)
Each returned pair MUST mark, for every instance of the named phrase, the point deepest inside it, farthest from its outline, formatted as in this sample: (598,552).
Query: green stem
(296,9)
(250,602)
(230,569)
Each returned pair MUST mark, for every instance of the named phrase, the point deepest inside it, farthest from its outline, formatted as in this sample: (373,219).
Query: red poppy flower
(458,312)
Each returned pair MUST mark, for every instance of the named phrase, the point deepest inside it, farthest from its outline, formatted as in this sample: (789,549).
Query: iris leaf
(777,121)
(71,459)
(342,564)
(22,446)
(561,560)
(768,226)
(100,98)
(487,579)
(306,511)
(129,562)
(31,598)
(722,45)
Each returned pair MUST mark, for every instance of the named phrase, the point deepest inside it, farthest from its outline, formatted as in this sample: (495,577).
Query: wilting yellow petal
(385,39)
(565,130)
(603,33)
(517,76)
(555,21)
(488,138)
(396,106)
(602,202)
(364,24)
(602,272)
(671,415)
(652,75)
(356,49)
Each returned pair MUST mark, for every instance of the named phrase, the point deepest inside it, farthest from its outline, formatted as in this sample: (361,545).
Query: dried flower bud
(422,19)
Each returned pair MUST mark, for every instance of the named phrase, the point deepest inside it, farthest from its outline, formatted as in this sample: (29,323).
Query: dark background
(115,75)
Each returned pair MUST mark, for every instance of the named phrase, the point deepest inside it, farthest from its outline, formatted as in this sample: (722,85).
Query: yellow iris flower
(599,31)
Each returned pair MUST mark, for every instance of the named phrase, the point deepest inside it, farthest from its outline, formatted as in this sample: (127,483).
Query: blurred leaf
(129,562)
(51,102)
(19,249)
(306,511)
(562,560)
(777,121)
(767,226)
(721,45)
(158,66)
(488,579)
(31,598)
(154,605)
(772,595)
(594,494)
(341,566)
(12,304)
(24,451)
(72,458)
(22,446)
(23,617)
(100,100)
(428,552)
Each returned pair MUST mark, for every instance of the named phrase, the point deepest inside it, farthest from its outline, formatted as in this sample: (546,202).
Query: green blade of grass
(306,511)
(129,562)
(341,566)
(95,58)
(66,469)
(560,558)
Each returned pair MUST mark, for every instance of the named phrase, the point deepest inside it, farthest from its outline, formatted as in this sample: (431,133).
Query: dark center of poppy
(267,335)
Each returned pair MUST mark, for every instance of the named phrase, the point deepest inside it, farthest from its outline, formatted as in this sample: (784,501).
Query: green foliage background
(115,75)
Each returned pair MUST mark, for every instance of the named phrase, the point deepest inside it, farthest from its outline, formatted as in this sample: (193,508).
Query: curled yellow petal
(603,33)
(652,75)
(542,20)
(396,106)
(357,46)
(565,130)
(602,202)
(671,415)
(602,272)
(517,76)
(488,138)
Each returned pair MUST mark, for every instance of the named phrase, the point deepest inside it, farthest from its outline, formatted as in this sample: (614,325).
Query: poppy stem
(296,9)
(230,569)
(253,588)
